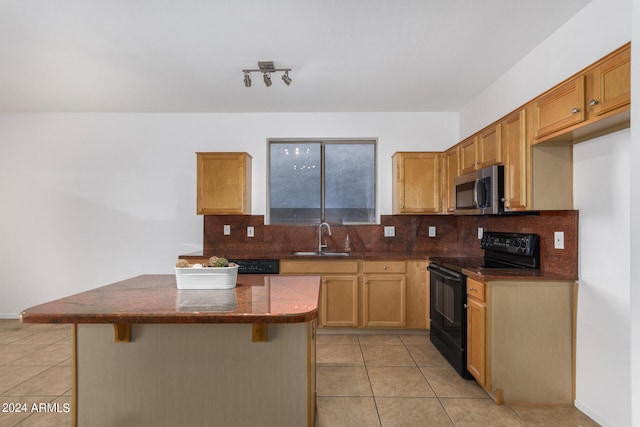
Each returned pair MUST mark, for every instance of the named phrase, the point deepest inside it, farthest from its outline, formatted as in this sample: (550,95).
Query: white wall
(89,199)
(601,173)
(598,29)
(601,27)
(634,158)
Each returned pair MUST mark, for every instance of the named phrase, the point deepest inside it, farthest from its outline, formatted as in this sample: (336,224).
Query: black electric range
(448,289)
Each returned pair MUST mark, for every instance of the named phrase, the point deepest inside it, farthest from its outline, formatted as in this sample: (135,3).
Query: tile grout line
(366,369)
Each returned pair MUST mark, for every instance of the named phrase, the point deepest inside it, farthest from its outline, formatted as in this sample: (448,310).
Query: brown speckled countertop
(156,299)
(488,274)
(478,273)
(366,255)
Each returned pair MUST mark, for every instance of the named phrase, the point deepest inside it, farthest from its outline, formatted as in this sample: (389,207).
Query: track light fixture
(286,79)
(266,68)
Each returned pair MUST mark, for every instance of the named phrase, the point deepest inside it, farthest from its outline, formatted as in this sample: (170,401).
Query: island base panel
(196,375)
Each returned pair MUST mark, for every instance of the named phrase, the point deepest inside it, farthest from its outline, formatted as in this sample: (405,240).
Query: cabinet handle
(384,267)
(478,162)
(472,289)
(594,102)
(466,306)
(575,111)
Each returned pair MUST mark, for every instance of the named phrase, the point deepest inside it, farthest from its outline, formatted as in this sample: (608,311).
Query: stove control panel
(513,243)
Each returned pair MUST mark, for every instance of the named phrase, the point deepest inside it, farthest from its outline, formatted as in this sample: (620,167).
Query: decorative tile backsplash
(453,234)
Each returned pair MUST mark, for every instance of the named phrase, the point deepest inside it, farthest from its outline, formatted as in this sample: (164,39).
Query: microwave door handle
(475,193)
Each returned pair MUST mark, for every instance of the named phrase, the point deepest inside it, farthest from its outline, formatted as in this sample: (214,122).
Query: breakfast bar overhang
(148,354)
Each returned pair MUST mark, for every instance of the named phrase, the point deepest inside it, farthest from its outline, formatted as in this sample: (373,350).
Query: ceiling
(187,55)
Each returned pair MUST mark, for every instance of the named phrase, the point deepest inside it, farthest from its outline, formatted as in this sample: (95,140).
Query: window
(312,181)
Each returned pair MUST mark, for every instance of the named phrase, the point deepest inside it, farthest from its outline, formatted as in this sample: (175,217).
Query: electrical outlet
(432,231)
(558,239)
(389,231)
(480,232)
(249,231)
(227,230)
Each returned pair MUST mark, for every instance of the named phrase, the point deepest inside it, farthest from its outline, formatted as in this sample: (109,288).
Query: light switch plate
(389,231)
(227,230)
(558,239)
(432,231)
(480,232)
(249,231)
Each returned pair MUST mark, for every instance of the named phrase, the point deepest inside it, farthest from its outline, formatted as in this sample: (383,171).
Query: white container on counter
(206,277)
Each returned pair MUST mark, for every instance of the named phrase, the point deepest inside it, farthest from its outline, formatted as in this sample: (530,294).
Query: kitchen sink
(323,253)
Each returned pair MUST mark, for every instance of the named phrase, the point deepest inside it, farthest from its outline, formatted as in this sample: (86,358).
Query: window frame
(323,142)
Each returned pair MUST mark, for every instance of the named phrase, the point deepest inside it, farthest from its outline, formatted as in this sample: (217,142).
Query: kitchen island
(148,354)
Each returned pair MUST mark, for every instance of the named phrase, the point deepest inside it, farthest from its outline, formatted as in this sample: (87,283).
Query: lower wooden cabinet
(476,333)
(339,301)
(384,300)
(521,339)
(368,294)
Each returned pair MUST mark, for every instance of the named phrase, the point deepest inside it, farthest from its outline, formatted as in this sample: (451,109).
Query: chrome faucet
(320,245)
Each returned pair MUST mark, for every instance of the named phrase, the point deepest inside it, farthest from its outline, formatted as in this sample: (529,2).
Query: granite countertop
(478,273)
(156,299)
(483,274)
(391,255)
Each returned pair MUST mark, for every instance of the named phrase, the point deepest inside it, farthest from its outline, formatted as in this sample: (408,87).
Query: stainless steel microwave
(480,192)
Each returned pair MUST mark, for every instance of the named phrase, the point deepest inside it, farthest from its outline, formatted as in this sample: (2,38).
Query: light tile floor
(362,380)
(402,380)
(35,375)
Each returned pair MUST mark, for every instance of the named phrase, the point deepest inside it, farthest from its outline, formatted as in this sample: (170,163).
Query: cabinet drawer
(385,267)
(475,290)
(318,267)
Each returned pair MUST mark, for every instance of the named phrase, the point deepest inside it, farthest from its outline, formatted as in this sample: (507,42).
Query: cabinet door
(611,84)
(476,333)
(490,146)
(416,183)
(468,155)
(417,295)
(339,301)
(224,183)
(514,142)
(561,108)
(384,300)
(451,166)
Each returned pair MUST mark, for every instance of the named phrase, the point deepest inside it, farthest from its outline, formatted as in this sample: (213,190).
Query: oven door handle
(445,274)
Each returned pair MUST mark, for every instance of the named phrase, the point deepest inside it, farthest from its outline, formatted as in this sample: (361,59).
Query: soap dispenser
(347,244)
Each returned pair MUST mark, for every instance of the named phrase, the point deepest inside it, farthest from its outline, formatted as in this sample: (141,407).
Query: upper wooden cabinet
(611,84)
(468,155)
(561,108)
(224,183)
(481,150)
(416,182)
(514,144)
(587,104)
(490,146)
(450,170)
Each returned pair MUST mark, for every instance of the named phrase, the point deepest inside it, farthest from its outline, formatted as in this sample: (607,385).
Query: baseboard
(9,316)
(594,415)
